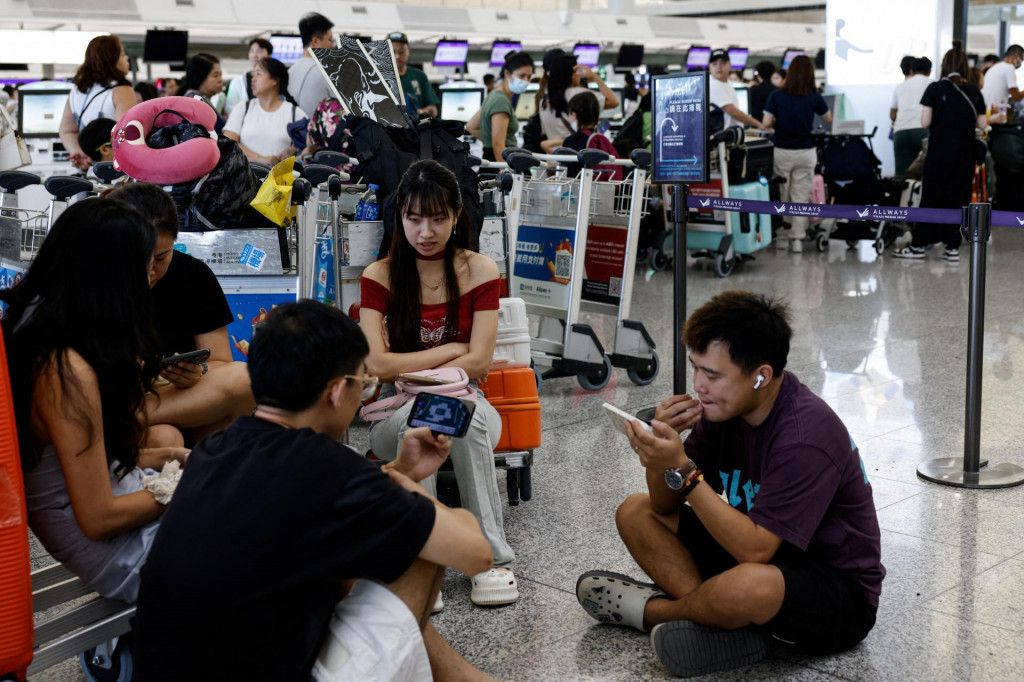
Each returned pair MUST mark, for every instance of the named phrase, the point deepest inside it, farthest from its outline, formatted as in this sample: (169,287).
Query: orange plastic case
(16,634)
(513,393)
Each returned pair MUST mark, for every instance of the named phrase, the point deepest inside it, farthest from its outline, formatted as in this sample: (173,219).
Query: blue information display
(679,128)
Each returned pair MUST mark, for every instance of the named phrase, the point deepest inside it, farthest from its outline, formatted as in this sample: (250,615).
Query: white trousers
(797,166)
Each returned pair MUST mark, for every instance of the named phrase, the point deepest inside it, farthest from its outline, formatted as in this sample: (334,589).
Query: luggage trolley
(726,238)
(549,225)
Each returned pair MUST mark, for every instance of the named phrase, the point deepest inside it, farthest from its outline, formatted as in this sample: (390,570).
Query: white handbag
(13,150)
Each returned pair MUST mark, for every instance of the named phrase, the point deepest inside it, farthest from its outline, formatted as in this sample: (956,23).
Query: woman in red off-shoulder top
(433,302)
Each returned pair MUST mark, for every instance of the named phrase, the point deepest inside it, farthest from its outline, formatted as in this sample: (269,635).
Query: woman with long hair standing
(566,80)
(951,109)
(101,90)
(434,303)
(204,80)
(82,353)
(790,110)
(260,126)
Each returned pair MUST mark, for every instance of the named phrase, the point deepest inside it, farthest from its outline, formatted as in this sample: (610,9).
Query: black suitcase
(749,161)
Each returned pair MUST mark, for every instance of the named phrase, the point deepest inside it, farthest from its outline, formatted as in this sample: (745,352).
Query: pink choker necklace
(436,256)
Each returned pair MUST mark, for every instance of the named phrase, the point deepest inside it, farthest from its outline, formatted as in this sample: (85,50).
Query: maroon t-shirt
(799,475)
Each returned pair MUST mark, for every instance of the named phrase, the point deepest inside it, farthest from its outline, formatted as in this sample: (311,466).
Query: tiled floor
(884,341)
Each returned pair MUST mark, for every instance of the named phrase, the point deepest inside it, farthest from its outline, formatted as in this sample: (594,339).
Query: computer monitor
(501,48)
(788,57)
(738,58)
(165,46)
(587,54)
(287,48)
(743,95)
(698,57)
(460,104)
(630,55)
(526,105)
(451,53)
(40,112)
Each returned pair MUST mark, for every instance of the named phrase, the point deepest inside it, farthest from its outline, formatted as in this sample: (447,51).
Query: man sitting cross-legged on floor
(802,564)
(274,519)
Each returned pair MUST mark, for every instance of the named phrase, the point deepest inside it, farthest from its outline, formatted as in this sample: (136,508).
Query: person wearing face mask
(240,89)
(495,124)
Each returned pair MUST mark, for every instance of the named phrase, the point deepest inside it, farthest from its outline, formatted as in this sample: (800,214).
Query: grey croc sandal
(689,649)
(614,598)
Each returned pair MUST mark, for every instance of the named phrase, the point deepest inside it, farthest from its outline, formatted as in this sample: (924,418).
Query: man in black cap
(723,95)
(414,81)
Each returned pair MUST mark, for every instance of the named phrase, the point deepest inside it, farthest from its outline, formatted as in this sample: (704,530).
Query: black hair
(264,44)
(755,327)
(922,65)
(630,79)
(95,135)
(152,202)
(562,68)
(9,89)
(586,108)
(513,61)
(278,71)
(907,64)
(429,189)
(990,59)
(782,73)
(488,78)
(196,71)
(298,349)
(765,69)
(148,91)
(313,25)
(87,291)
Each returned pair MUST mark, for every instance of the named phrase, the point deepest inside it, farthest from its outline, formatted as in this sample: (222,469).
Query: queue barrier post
(680,213)
(968,472)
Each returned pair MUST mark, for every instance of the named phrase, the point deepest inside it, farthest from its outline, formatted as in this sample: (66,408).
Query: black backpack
(631,134)
(533,134)
(385,153)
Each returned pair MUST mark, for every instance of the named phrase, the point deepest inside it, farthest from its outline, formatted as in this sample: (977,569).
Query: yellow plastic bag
(275,196)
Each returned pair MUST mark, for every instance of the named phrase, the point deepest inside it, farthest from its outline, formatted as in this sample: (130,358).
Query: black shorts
(824,610)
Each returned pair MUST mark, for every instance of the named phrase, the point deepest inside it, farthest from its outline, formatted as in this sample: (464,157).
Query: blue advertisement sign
(249,310)
(542,269)
(10,275)
(679,130)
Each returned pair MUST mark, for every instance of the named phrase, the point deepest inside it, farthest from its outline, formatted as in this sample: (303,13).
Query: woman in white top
(101,91)
(567,78)
(260,126)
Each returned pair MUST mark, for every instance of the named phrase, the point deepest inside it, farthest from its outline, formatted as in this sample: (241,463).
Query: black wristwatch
(675,478)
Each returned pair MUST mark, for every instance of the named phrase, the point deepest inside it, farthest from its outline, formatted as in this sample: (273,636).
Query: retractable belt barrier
(948,216)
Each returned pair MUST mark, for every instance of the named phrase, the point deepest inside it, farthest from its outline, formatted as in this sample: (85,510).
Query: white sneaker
(438,604)
(952,255)
(908,251)
(495,587)
(796,246)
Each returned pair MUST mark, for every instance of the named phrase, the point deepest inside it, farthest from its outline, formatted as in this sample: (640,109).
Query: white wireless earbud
(760,380)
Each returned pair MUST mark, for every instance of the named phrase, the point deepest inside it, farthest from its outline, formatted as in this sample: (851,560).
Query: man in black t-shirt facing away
(285,555)
(191,312)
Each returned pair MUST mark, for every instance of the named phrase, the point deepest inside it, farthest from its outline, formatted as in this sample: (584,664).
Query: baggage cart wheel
(526,484)
(723,267)
(597,378)
(879,246)
(851,243)
(512,483)
(659,260)
(822,242)
(641,378)
(101,665)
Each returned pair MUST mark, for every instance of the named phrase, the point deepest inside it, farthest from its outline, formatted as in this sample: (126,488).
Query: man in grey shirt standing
(306,83)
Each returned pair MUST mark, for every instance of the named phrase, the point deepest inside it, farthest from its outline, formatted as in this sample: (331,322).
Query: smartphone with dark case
(442,414)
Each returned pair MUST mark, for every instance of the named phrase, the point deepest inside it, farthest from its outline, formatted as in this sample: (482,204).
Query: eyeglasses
(104,146)
(370,384)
